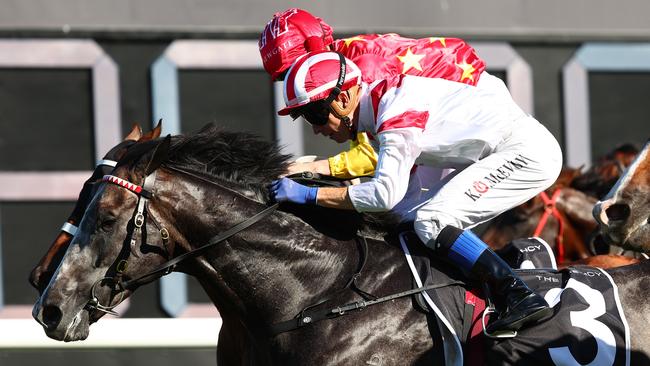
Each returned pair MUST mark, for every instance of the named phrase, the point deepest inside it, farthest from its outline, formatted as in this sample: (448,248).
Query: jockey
(501,158)
(294,32)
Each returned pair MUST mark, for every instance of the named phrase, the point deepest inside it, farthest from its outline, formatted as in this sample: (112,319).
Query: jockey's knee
(428,229)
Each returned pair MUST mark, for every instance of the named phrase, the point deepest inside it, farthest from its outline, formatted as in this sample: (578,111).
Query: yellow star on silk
(410,60)
(468,71)
(442,40)
(352,39)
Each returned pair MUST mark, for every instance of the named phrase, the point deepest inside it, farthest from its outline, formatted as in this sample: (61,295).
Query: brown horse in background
(601,177)
(561,216)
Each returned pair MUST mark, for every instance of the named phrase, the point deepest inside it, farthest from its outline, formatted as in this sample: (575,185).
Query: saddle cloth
(587,327)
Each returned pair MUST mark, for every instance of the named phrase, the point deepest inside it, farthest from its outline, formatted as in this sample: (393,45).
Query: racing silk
(383,56)
(428,121)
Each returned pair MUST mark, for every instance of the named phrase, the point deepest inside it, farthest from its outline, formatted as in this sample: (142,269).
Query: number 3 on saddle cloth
(587,327)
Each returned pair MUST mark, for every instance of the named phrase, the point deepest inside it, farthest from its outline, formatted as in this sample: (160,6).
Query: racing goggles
(316,113)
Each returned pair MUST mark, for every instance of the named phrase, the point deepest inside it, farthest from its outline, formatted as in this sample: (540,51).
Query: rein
(550,209)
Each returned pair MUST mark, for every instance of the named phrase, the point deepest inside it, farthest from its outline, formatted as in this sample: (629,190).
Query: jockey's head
(319,84)
(289,35)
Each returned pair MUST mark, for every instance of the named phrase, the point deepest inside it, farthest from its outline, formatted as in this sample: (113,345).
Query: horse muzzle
(60,327)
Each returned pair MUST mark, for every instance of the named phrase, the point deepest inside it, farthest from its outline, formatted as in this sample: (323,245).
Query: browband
(128,185)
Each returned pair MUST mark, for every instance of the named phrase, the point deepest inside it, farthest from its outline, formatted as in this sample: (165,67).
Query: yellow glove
(359,161)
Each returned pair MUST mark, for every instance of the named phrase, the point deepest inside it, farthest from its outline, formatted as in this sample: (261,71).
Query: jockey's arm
(359,161)
(334,197)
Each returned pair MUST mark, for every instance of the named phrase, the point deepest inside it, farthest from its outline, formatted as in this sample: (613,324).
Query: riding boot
(520,305)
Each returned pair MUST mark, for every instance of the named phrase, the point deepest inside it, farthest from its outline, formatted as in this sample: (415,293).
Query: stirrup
(498,334)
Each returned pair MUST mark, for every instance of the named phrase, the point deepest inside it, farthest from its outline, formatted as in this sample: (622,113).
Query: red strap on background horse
(550,208)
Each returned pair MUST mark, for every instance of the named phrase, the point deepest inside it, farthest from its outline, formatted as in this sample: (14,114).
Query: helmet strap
(343,113)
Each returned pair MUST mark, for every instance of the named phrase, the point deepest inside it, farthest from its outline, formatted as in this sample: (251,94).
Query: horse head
(41,274)
(623,214)
(110,239)
(140,216)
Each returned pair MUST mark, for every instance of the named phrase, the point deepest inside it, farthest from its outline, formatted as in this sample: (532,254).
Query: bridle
(145,193)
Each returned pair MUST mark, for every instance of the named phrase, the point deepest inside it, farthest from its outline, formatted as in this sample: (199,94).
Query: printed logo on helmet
(279,25)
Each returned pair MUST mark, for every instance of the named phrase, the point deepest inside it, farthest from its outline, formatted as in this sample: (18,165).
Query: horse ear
(153,134)
(157,130)
(135,134)
(160,154)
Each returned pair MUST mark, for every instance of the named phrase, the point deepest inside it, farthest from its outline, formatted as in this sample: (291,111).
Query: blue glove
(286,190)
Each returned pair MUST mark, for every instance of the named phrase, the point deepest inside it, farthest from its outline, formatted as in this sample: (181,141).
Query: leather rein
(305,317)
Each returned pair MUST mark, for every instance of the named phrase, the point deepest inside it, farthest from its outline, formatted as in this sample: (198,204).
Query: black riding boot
(519,304)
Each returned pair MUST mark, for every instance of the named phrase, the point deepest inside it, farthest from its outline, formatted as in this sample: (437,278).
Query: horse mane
(249,162)
(237,157)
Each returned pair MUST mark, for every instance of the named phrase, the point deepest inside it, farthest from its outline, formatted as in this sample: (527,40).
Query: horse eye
(107,224)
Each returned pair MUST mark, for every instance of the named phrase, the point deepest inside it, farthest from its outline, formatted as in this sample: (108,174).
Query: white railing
(118,333)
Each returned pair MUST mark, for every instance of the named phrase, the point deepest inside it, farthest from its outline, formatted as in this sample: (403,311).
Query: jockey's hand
(318,166)
(286,190)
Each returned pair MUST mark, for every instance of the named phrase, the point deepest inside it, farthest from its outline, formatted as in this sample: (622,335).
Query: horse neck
(268,272)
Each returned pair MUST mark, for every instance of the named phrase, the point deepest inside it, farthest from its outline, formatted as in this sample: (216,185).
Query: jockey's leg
(521,304)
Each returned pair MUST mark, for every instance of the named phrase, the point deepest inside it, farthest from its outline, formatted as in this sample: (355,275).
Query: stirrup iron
(498,334)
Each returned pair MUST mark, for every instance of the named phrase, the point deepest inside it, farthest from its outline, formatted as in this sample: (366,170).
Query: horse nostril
(618,212)
(51,316)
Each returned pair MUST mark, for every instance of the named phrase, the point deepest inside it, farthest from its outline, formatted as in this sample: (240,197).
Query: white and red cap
(289,35)
(314,76)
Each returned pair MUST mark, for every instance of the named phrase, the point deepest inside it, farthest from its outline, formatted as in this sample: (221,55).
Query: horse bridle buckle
(138,221)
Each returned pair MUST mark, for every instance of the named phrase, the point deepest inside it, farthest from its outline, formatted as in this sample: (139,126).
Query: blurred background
(76,74)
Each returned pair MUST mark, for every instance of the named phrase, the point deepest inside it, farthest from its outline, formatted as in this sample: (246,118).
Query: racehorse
(561,216)
(40,276)
(601,177)
(165,199)
(623,214)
